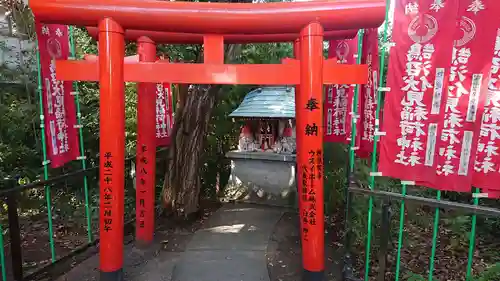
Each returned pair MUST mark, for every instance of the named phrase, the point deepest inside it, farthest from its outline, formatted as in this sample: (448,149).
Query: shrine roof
(267,102)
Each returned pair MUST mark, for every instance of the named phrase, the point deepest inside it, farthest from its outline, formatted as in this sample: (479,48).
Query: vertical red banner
(368,93)
(164,114)
(475,35)
(339,98)
(58,103)
(487,162)
(417,70)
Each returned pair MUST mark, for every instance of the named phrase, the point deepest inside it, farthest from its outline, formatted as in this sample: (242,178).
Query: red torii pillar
(221,18)
(146,145)
(145,149)
(112,149)
(309,116)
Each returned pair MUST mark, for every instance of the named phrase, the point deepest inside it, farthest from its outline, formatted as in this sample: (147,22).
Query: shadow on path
(229,246)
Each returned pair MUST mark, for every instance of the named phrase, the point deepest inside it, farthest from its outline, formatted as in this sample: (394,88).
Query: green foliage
(19,136)
(265,53)
(490,274)
(19,139)
(411,276)
(221,139)
(335,163)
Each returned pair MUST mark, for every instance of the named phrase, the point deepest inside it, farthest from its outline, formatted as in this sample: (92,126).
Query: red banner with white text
(58,103)
(164,114)
(368,94)
(475,35)
(417,80)
(338,103)
(487,162)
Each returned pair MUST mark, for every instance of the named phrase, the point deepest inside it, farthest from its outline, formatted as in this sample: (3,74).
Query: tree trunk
(195,103)
(182,184)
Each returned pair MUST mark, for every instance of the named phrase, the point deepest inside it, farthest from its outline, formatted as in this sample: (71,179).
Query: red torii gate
(214,21)
(146,49)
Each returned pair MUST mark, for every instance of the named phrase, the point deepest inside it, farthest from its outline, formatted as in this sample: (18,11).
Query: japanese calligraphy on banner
(164,114)
(338,104)
(59,114)
(416,77)
(474,43)
(368,94)
(487,162)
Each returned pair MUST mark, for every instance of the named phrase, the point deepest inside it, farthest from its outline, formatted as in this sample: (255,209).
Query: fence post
(385,234)
(15,237)
(347,272)
(350,171)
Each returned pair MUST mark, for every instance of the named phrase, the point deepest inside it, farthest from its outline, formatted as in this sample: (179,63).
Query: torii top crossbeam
(191,38)
(213,18)
(213,21)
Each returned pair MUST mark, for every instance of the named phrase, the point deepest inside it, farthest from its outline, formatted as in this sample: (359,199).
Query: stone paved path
(230,246)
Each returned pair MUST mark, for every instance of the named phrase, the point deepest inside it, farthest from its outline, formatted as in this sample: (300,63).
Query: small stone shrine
(263,166)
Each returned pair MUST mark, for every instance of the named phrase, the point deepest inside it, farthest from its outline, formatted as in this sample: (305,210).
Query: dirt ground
(285,260)
(35,244)
(451,256)
(171,236)
(284,252)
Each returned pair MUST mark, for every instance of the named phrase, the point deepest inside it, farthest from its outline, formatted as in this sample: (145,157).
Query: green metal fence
(356,187)
(62,187)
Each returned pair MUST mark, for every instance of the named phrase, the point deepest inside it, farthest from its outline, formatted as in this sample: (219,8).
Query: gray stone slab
(159,268)
(237,227)
(256,155)
(222,266)
(231,246)
(140,264)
